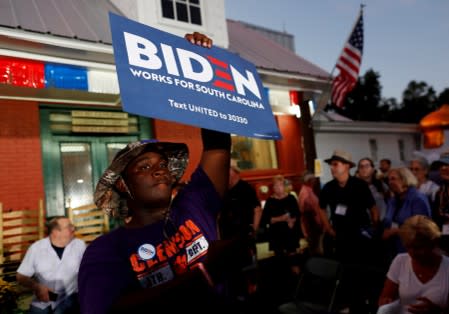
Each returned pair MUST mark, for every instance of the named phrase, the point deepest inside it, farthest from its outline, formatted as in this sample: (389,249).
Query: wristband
(215,140)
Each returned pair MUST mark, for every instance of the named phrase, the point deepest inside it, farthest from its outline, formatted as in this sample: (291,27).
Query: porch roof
(87,21)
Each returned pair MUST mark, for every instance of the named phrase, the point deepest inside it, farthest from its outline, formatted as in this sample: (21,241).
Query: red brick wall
(21,174)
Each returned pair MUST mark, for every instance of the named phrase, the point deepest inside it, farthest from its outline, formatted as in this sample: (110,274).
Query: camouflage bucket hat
(107,197)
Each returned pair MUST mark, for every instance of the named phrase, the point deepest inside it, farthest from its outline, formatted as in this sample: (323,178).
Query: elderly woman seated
(418,281)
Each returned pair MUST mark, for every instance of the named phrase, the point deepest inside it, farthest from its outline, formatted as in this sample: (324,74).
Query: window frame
(401,149)
(185,25)
(273,151)
(374,149)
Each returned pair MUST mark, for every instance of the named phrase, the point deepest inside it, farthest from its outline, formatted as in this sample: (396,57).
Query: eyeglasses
(415,169)
(365,166)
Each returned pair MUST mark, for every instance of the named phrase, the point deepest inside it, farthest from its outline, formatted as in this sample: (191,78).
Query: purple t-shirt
(126,259)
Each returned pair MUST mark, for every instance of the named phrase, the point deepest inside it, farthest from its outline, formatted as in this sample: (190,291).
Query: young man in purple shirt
(163,258)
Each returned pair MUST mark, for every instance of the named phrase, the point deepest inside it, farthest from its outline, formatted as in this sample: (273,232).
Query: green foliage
(366,92)
(418,100)
(8,297)
(443,98)
(365,102)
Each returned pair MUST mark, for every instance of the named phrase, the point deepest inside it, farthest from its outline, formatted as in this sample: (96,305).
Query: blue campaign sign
(166,77)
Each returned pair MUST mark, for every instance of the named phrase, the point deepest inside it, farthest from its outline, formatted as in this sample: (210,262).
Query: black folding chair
(316,292)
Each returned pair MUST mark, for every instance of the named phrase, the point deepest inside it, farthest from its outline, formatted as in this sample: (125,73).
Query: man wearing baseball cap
(354,217)
(162,259)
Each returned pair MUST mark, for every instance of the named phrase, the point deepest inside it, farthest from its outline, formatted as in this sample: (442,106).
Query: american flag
(348,64)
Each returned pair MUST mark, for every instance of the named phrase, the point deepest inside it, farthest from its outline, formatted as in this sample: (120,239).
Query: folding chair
(317,288)
(89,221)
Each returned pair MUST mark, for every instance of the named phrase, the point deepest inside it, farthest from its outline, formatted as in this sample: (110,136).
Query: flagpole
(329,85)
(327,90)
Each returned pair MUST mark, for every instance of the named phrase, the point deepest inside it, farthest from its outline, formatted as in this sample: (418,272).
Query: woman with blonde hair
(281,214)
(419,166)
(418,280)
(406,201)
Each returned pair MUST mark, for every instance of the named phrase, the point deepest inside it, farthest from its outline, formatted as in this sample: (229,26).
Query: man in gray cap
(349,200)
(353,216)
(162,259)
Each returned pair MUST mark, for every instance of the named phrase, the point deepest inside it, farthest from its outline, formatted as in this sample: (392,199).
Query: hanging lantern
(433,126)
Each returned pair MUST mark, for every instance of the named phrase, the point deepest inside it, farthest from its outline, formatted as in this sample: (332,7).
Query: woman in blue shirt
(406,201)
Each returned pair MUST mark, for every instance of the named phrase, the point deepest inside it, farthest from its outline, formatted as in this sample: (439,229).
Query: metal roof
(87,20)
(267,54)
(79,19)
(282,38)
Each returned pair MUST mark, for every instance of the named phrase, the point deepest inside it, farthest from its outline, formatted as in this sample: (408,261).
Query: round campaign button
(146,251)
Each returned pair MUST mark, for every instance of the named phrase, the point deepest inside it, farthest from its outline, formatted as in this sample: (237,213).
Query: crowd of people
(196,251)
(388,228)
(376,223)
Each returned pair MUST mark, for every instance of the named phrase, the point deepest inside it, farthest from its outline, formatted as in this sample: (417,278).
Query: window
(373,148)
(76,173)
(252,153)
(418,141)
(401,150)
(188,11)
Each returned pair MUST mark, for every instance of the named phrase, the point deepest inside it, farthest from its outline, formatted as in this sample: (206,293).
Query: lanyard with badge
(341,209)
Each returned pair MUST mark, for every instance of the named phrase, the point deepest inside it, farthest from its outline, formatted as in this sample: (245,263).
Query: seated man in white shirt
(50,269)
